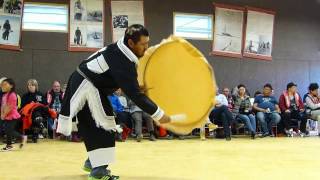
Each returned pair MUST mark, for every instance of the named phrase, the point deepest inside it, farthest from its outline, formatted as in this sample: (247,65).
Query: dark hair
(257,93)
(268,86)
(241,85)
(12,83)
(290,85)
(134,32)
(313,86)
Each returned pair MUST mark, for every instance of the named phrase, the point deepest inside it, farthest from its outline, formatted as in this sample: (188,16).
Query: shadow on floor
(151,178)
(66,177)
(85,177)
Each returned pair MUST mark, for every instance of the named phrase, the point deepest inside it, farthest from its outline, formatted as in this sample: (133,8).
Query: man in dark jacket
(87,92)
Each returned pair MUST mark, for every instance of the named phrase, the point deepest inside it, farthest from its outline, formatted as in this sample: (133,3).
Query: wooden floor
(192,159)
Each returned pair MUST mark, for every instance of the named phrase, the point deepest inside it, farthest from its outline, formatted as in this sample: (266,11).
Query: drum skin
(178,78)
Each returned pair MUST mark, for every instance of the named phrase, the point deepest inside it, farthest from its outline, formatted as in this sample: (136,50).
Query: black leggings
(10,131)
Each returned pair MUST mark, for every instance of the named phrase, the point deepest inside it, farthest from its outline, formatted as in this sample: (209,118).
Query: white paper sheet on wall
(124,14)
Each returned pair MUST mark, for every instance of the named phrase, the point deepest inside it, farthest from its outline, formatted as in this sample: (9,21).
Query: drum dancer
(86,98)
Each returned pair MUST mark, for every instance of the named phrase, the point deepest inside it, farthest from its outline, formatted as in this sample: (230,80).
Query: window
(45,17)
(193,26)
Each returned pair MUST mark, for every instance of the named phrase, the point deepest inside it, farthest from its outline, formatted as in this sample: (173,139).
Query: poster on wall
(10,23)
(228,30)
(124,14)
(259,34)
(86,27)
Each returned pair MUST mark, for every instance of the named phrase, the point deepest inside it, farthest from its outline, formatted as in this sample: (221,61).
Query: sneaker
(89,169)
(152,137)
(119,137)
(264,135)
(169,137)
(125,134)
(289,132)
(181,137)
(7,148)
(23,141)
(295,134)
(305,134)
(139,138)
(298,132)
(239,125)
(133,135)
(212,127)
(75,138)
(228,138)
(35,140)
(40,136)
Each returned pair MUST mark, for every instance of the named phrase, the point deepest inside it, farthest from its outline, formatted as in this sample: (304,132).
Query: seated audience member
(34,119)
(292,107)
(138,116)
(226,92)
(33,94)
(221,115)
(312,102)
(55,96)
(118,109)
(268,110)
(54,99)
(126,116)
(243,110)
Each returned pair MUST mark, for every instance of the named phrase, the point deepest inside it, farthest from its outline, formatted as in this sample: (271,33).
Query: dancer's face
(140,47)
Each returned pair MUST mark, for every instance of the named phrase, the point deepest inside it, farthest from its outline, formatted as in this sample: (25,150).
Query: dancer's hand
(165,119)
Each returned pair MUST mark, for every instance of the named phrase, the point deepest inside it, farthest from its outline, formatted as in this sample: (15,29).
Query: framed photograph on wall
(228,30)
(124,14)
(259,34)
(86,25)
(11,12)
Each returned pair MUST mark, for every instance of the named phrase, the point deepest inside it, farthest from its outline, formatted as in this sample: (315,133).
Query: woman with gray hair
(33,94)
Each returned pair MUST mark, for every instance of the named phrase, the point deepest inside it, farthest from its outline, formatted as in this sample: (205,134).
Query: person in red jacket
(292,107)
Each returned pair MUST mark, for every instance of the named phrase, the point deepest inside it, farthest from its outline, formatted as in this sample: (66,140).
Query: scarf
(287,98)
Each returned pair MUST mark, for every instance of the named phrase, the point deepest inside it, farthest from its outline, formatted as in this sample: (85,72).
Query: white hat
(1,79)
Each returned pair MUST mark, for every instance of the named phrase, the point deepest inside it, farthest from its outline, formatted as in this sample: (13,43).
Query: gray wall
(296,53)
